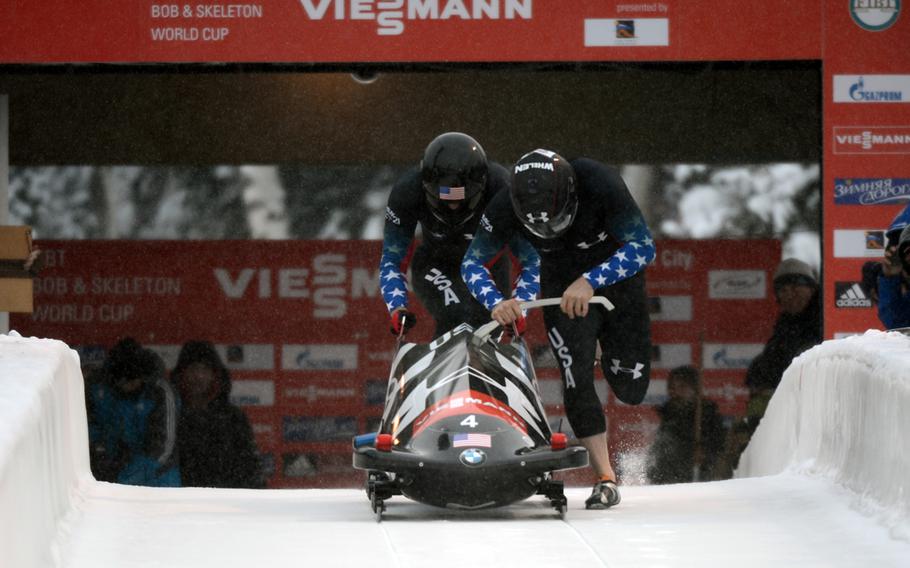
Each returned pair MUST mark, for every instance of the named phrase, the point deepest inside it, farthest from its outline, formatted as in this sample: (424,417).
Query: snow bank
(842,411)
(43,446)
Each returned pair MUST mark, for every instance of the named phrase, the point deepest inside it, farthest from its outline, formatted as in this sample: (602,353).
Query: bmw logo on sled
(464,427)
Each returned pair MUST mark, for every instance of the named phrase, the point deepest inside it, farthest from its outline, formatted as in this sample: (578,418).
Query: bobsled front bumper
(534,462)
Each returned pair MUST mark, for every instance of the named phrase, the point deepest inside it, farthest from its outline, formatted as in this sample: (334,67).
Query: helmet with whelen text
(454,175)
(543,193)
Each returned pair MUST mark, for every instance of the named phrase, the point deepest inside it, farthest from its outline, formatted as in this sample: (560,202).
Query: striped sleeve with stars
(392,282)
(631,258)
(482,253)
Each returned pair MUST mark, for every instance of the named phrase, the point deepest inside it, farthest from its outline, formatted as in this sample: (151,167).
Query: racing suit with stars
(435,262)
(609,245)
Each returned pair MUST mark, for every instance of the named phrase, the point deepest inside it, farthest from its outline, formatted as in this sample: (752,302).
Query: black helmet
(543,193)
(453,170)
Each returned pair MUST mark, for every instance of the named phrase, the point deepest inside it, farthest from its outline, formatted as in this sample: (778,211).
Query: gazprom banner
(327,31)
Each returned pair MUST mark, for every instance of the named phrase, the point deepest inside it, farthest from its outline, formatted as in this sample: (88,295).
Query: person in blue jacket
(132,414)
(893,288)
(893,284)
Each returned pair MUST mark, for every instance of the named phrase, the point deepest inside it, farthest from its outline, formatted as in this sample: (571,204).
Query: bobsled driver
(446,195)
(592,239)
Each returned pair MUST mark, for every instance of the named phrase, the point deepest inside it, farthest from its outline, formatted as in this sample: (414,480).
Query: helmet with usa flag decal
(543,193)
(454,175)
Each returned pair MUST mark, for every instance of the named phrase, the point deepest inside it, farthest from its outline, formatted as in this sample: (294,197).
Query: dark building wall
(717,113)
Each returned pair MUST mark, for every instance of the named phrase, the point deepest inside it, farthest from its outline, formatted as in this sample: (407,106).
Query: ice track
(783,520)
(828,489)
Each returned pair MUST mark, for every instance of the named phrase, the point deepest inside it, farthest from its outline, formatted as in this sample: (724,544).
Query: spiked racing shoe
(604,495)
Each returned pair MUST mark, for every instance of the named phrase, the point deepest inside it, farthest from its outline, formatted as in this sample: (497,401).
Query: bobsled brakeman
(464,427)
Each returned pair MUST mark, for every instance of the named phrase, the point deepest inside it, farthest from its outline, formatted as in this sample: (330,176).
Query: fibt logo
(390,15)
(875,15)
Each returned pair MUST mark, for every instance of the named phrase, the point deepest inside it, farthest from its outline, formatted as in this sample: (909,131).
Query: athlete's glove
(401,322)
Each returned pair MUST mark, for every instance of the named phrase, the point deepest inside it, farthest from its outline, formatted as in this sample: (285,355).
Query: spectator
(690,437)
(798,327)
(215,439)
(132,414)
(894,280)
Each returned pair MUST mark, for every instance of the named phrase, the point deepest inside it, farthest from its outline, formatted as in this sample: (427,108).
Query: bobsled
(464,427)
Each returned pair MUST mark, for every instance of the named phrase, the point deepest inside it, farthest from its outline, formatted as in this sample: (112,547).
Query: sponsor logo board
(729,355)
(670,355)
(737,284)
(319,393)
(318,428)
(319,357)
(872,88)
(859,243)
(637,32)
(252,392)
(670,308)
(851,295)
(871,191)
(871,140)
(392,16)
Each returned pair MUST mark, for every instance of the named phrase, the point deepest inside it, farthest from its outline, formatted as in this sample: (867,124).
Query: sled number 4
(470,420)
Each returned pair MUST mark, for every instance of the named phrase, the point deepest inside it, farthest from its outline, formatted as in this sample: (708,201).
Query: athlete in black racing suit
(446,196)
(592,239)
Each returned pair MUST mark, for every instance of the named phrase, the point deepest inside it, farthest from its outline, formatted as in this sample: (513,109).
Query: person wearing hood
(215,439)
(894,280)
(132,419)
(798,327)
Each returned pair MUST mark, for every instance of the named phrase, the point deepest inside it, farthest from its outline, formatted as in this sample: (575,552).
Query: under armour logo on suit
(636,372)
(541,217)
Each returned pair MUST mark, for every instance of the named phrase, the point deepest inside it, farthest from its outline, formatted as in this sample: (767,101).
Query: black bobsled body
(464,427)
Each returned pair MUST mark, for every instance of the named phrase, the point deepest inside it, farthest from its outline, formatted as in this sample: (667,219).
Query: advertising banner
(304,332)
(339,31)
(867,150)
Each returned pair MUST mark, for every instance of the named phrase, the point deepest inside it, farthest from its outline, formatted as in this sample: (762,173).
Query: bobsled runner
(463,425)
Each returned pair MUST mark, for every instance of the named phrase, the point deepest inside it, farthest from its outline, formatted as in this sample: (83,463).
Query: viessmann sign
(404,31)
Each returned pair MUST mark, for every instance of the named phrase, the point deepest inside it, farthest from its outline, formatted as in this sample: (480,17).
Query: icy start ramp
(782,520)
(810,510)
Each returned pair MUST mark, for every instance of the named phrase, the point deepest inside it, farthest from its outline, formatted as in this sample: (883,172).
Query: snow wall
(842,411)
(43,446)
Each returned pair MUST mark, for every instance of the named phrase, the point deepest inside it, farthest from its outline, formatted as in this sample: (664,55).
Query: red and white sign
(304,331)
(872,139)
(366,31)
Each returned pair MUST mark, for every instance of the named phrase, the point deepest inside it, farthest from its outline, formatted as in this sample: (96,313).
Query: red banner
(305,334)
(332,31)
(867,149)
